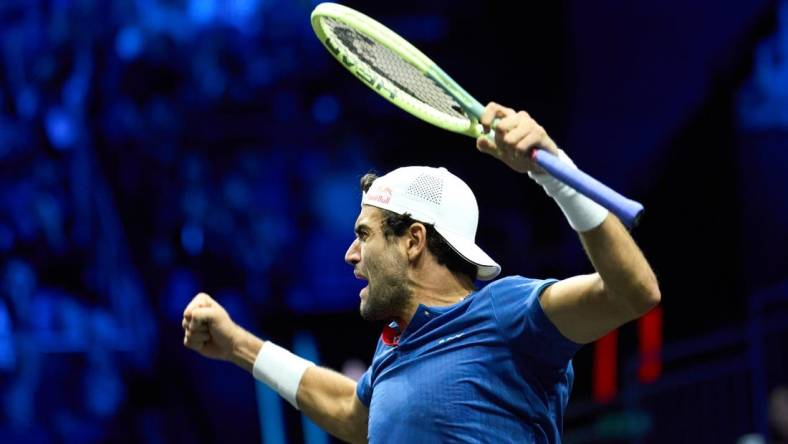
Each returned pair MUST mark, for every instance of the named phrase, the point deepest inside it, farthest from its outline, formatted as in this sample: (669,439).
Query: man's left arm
(624,287)
(586,307)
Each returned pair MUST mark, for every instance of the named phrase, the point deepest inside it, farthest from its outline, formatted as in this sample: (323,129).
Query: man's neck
(435,288)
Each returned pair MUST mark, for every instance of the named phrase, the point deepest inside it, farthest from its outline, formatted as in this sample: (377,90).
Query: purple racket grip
(628,210)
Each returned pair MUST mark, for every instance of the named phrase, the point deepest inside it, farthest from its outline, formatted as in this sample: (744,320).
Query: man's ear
(416,240)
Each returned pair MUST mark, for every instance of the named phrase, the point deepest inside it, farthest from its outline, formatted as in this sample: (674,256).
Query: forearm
(624,271)
(245,349)
(627,279)
(329,399)
(325,396)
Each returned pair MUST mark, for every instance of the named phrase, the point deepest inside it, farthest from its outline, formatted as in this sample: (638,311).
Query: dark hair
(397,224)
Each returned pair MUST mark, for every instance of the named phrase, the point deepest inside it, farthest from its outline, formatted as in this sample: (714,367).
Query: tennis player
(454,364)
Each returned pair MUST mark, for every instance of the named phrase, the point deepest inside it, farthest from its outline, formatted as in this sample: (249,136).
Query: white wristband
(280,370)
(582,213)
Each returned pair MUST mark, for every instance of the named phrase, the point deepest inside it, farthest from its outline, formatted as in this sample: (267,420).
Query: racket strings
(391,66)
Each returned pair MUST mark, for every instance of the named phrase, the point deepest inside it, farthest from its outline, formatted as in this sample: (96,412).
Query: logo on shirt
(451,338)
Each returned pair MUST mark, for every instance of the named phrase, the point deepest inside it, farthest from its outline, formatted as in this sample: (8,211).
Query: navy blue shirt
(491,368)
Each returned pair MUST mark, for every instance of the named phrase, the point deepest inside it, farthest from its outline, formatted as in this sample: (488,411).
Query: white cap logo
(382,195)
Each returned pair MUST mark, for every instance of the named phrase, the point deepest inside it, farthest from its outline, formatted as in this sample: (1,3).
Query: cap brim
(487,268)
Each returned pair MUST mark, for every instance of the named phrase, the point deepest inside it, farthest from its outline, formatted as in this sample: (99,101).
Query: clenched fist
(208,329)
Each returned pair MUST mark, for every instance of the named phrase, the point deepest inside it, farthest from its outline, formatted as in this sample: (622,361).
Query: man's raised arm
(624,287)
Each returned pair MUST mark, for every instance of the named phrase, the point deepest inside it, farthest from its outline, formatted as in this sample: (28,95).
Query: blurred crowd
(141,140)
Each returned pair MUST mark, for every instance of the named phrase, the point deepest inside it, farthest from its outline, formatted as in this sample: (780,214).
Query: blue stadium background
(150,149)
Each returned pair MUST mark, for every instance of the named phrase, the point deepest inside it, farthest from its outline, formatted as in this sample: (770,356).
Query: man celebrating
(454,364)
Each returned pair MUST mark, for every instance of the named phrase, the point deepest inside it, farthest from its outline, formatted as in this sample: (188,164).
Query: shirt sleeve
(525,325)
(364,385)
(364,388)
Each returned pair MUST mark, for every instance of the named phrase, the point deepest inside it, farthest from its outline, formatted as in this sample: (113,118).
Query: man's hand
(516,134)
(208,328)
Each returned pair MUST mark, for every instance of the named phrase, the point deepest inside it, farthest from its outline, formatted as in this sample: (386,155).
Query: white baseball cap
(437,197)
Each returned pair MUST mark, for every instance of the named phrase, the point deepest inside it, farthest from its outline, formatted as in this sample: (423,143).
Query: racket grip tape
(628,210)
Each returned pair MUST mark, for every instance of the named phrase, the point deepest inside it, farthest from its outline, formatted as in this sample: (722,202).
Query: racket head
(395,69)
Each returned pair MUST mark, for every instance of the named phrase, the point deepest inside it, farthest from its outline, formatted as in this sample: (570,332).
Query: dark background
(151,149)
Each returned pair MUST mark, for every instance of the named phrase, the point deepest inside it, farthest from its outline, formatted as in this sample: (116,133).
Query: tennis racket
(406,77)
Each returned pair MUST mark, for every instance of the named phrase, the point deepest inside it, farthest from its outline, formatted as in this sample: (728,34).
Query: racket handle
(629,211)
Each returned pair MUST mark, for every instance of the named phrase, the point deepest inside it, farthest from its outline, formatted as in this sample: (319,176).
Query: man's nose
(352,255)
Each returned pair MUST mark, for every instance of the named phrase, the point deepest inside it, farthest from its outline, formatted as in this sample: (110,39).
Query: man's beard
(389,295)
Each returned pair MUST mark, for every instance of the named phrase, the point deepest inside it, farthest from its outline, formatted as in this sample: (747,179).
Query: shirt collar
(392,333)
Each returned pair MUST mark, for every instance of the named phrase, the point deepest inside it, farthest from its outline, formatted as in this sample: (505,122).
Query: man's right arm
(327,397)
